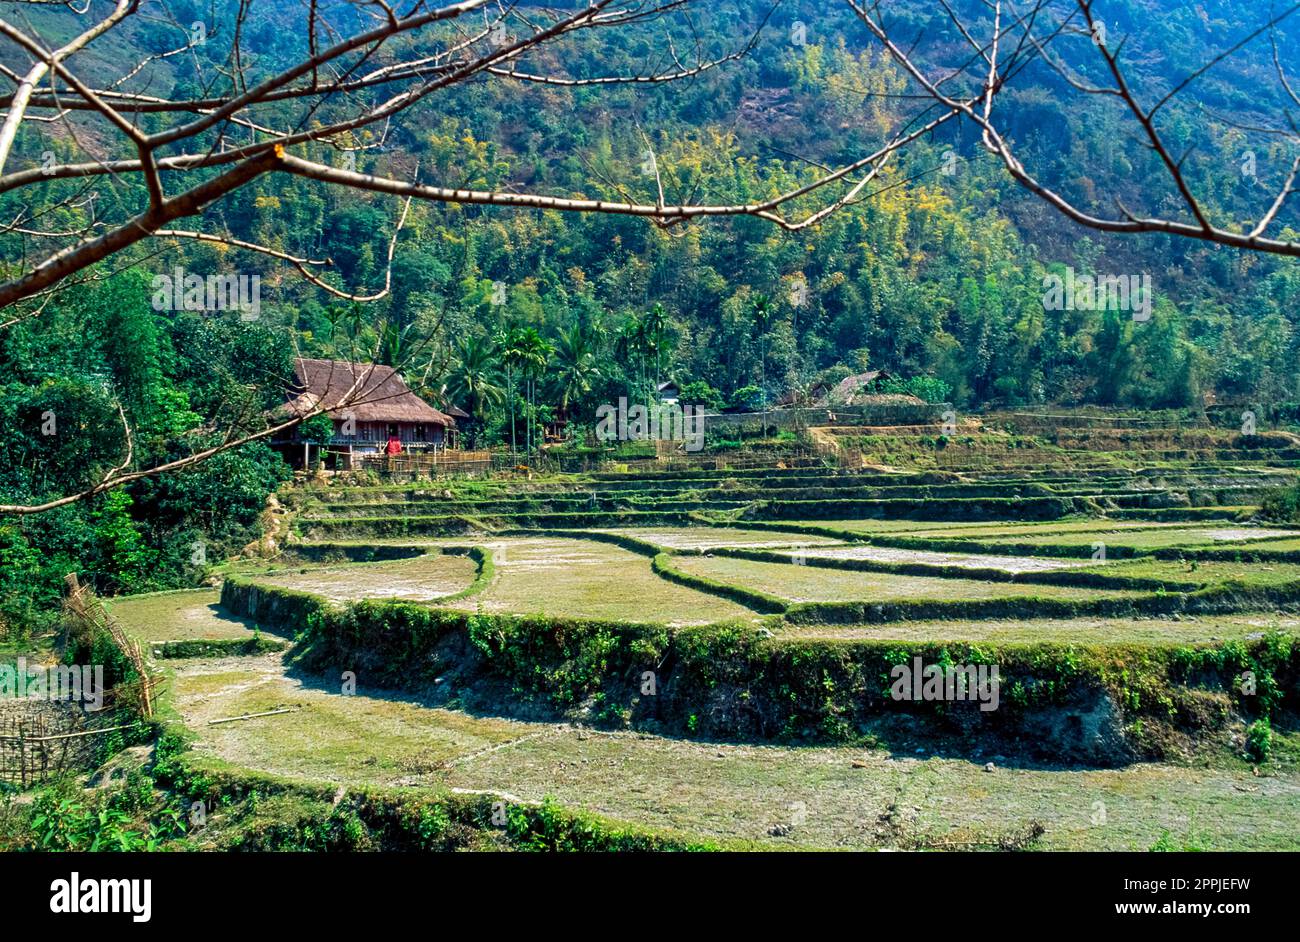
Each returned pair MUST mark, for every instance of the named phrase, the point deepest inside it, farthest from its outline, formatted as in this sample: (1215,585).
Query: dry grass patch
(326,736)
(1164,537)
(178,616)
(423,579)
(691,538)
(885,554)
(587,579)
(851,798)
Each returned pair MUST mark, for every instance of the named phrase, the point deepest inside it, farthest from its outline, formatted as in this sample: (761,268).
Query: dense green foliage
(181,381)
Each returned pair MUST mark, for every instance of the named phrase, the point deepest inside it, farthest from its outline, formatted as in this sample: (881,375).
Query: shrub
(1281,505)
(1259,739)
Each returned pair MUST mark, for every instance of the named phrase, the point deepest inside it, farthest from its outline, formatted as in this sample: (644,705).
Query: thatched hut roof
(382,395)
(848,389)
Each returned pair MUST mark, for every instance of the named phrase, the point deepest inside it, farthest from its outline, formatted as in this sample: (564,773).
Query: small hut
(382,407)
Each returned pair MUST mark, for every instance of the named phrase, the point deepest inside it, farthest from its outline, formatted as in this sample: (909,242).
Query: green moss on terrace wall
(217,647)
(1222,598)
(739,681)
(349,553)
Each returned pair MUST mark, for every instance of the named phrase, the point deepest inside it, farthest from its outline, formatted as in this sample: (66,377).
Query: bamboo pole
(249,716)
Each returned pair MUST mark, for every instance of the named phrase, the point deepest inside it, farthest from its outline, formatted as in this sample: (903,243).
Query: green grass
(327,735)
(178,616)
(587,579)
(1199,629)
(423,579)
(1285,545)
(1146,539)
(1203,572)
(677,538)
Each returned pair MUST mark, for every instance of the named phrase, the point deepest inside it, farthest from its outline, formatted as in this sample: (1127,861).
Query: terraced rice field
(748,795)
(885,554)
(179,616)
(584,579)
(706,538)
(814,584)
(983,529)
(738,553)
(1161,538)
(1204,572)
(423,579)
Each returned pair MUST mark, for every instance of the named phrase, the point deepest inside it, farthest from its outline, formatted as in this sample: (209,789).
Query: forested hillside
(935,274)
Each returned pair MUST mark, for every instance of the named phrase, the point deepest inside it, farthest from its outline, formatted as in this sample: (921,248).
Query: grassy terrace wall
(575,500)
(1219,599)
(217,647)
(952,509)
(454,525)
(1089,704)
(349,553)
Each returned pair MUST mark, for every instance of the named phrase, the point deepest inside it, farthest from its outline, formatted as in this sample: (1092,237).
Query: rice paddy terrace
(709,653)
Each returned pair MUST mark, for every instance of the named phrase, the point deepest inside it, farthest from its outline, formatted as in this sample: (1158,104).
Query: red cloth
(394,446)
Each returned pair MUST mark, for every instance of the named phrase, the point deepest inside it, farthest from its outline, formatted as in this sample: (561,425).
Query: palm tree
(508,343)
(392,343)
(534,352)
(475,378)
(576,367)
(654,326)
(764,312)
(631,345)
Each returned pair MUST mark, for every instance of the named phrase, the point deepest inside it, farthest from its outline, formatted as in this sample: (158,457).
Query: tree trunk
(514,452)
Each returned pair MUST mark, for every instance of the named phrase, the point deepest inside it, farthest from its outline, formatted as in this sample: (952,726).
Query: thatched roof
(382,395)
(851,385)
